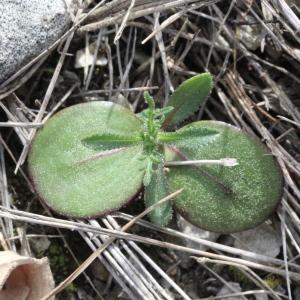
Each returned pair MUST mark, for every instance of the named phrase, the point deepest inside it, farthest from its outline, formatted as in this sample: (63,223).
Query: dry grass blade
(205,260)
(94,255)
(116,19)
(164,24)
(124,21)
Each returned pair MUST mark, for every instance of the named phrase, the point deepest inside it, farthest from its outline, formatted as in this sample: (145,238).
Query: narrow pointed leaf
(188,136)
(226,199)
(155,191)
(188,97)
(80,181)
(108,141)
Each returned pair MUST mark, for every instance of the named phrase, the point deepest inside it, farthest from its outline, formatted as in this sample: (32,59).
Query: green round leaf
(77,180)
(225,199)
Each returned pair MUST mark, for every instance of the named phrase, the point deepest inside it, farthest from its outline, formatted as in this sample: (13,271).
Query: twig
(94,255)
(226,162)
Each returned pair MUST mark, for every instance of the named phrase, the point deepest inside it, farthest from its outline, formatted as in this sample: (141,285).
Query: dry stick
(286,267)
(222,280)
(114,270)
(47,97)
(110,67)
(8,228)
(150,261)
(289,121)
(95,55)
(246,293)
(129,63)
(22,106)
(179,33)
(128,266)
(119,60)
(94,255)
(136,89)
(292,18)
(226,162)
(207,243)
(29,183)
(218,32)
(8,89)
(253,118)
(120,5)
(21,124)
(292,238)
(204,260)
(236,88)
(120,234)
(123,268)
(162,50)
(108,8)
(61,101)
(87,277)
(164,24)
(283,98)
(140,13)
(86,53)
(23,136)
(124,21)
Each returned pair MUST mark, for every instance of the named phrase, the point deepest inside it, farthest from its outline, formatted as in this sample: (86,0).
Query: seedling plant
(93,158)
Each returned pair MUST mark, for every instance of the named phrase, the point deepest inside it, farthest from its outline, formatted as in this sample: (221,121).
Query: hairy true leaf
(188,136)
(108,141)
(80,181)
(155,191)
(224,199)
(187,98)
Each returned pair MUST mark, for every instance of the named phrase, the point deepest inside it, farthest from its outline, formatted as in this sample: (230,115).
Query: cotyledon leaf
(188,97)
(155,191)
(224,199)
(80,181)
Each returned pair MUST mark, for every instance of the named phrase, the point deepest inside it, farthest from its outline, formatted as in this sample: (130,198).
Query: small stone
(262,296)
(27,28)
(225,290)
(262,240)
(83,295)
(251,35)
(99,271)
(40,244)
(193,231)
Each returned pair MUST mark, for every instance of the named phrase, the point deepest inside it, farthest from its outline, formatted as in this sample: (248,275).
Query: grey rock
(261,297)
(40,244)
(226,290)
(262,240)
(193,231)
(27,28)
(189,229)
(251,35)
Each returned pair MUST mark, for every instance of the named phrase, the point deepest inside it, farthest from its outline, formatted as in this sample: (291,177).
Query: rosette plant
(93,158)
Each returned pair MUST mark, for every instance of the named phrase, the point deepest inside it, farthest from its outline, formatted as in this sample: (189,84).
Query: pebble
(262,240)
